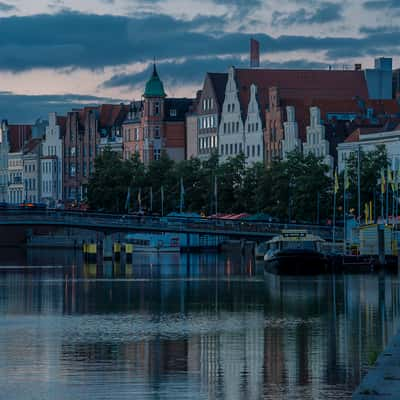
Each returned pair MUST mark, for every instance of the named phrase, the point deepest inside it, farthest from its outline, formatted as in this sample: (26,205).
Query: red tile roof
(112,114)
(300,84)
(17,136)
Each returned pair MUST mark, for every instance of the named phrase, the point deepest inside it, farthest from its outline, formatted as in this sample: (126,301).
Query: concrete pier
(108,248)
(383,379)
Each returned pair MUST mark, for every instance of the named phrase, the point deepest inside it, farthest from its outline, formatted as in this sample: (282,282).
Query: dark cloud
(192,71)
(27,108)
(5,7)
(322,13)
(70,39)
(381,4)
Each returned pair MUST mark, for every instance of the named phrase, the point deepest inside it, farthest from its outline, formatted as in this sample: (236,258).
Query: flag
(383,181)
(151,198)
(182,199)
(128,199)
(139,198)
(390,178)
(336,187)
(370,212)
(346,179)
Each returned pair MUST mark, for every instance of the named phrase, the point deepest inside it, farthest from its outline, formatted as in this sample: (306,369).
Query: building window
(248,151)
(156,108)
(172,112)
(137,134)
(229,108)
(240,147)
(236,147)
(253,151)
(224,127)
(157,132)
(222,149)
(258,150)
(72,170)
(157,154)
(231,148)
(237,126)
(233,107)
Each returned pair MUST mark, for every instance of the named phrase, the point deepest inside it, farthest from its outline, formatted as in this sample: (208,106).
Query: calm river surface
(186,327)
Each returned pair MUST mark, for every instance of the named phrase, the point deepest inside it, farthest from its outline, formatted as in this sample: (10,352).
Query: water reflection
(187,327)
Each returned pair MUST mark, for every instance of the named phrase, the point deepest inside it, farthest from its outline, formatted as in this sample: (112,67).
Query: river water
(186,327)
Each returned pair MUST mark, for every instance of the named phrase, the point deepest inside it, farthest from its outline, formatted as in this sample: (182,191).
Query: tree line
(296,189)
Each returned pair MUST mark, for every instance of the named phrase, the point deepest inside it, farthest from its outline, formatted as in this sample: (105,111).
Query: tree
(108,186)
(371,164)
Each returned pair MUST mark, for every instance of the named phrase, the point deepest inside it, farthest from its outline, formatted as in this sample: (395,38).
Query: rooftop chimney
(254,53)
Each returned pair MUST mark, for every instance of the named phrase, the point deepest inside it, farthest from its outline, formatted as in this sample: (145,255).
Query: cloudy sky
(57,54)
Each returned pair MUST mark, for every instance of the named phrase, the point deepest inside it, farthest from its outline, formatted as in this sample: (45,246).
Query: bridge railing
(179,224)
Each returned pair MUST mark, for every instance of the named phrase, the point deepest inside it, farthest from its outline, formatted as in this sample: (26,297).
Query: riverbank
(383,379)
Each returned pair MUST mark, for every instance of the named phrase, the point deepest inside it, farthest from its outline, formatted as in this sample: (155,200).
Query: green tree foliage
(296,186)
(292,185)
(371,164)
(109,184)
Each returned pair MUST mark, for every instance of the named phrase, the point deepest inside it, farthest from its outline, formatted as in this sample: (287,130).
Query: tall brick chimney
(254,53)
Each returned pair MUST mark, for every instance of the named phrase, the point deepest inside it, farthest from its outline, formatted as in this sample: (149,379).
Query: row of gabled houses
(266,113)
(53,164)
(262,113)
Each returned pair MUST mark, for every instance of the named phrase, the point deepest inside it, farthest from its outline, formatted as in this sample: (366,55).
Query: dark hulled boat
(295,252)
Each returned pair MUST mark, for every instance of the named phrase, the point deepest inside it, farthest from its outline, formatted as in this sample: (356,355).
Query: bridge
(112,223)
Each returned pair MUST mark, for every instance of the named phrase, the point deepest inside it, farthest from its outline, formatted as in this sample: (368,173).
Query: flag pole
(151,199)
(344,208)
(181,197)
(387,198)
(216,194)
(335,190)
(162,201)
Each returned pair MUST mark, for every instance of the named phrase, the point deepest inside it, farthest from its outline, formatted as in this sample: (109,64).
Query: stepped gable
(300,84)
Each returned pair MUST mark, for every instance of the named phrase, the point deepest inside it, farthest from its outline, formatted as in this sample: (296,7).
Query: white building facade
(236,136)
(291,141)
(31,171)
(368,143)
(253,135)
(15,178)
(52,163)
(316,142)
(4,150)
(231,137)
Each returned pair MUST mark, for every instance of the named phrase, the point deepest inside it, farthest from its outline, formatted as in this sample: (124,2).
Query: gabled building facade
(207,115)
(316,142)
(51,168)
(4,150)
(291,141)
(31,170)
(156,124)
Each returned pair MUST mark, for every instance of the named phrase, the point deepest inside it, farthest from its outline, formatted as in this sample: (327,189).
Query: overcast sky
(56,54)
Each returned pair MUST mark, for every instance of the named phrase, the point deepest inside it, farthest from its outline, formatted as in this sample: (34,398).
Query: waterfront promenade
(383,379)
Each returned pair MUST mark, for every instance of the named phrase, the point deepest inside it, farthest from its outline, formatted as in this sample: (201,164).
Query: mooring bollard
(128,253)
(117,251)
